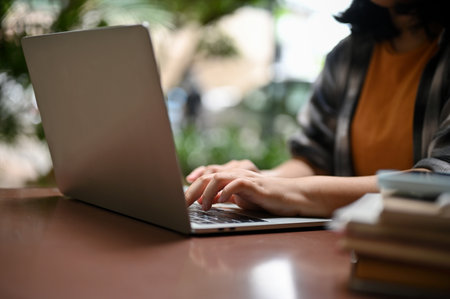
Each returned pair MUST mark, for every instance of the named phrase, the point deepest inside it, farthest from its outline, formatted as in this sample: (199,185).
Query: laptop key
(216,216)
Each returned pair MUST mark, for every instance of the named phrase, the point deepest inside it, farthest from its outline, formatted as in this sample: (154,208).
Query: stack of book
(400,245)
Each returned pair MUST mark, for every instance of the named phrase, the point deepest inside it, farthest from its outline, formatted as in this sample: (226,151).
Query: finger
(230,200)
(232,188)
(250,166)
(242,164)
(243,192)
(213,189)
(195,174)
(216,198)
(231,164)
(195,191)
(203,170)
(245,204)
(200,200)
(210,169)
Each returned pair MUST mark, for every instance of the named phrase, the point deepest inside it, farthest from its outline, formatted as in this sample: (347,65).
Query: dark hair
(367,18)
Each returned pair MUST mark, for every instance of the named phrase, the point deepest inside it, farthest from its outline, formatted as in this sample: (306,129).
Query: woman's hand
(305,196)
(254,191)
(235,164)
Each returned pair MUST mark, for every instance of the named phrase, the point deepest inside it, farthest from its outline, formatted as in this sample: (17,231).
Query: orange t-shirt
(382,127)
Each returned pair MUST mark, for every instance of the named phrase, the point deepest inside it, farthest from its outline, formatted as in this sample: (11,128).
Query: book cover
(398,278)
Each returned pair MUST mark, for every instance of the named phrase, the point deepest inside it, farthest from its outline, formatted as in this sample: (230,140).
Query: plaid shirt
(325,121)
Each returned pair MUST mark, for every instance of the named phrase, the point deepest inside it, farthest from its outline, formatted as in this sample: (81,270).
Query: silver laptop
(107,128)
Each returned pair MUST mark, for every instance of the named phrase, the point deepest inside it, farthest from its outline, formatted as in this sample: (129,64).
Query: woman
(381,102)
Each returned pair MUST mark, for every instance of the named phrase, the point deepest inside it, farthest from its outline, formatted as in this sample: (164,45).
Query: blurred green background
(233,77)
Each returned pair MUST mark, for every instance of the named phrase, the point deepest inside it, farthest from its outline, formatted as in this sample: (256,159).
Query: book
(377,275)
(413,213)
(420,254)
(397,233)
(401,245)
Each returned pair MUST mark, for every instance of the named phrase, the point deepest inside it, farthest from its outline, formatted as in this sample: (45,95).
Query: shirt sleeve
(315,140)
(438,159)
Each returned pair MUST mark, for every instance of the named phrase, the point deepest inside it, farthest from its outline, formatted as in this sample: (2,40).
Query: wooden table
(54,247)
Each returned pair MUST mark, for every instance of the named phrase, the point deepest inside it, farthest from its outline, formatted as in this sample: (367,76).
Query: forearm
(294,167)
(330,193)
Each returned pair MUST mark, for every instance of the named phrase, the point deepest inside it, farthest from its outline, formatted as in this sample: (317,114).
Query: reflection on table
(55,247)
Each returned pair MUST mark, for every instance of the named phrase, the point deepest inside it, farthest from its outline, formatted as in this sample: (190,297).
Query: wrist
(324,194)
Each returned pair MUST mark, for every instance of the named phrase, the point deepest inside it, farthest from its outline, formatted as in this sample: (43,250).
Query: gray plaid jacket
(325,121)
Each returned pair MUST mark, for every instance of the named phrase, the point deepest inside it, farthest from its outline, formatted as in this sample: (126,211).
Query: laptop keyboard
(217,216)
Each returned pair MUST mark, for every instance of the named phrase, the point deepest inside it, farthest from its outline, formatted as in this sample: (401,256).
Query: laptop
(108,131)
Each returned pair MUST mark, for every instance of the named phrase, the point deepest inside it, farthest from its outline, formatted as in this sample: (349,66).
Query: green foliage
(12,60)
(207,11)
(222,144)
(267,113)
(10,126)
(11,57)
(69,15)
(216,44)
(257,129)
(5,5)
